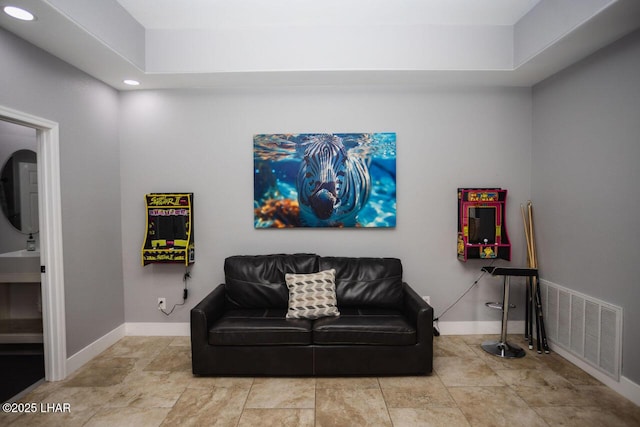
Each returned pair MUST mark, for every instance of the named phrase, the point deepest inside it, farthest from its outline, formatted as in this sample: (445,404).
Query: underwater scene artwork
(324,180)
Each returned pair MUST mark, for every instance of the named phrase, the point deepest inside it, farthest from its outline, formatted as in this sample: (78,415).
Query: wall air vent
(588,328)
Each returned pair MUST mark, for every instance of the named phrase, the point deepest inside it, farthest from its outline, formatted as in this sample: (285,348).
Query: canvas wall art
(324,180)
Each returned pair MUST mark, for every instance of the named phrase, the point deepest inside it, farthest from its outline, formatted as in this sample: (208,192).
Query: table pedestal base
(503,349)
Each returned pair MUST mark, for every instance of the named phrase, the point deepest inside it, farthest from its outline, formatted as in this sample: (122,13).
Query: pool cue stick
(543,331)
(533,264)
(530,312)
(528,333)
(534,283)
(537,317)
(530,263)
(537,296)
(526,310)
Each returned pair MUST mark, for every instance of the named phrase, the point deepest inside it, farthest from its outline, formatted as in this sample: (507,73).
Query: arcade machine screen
(171,228)
(482,225)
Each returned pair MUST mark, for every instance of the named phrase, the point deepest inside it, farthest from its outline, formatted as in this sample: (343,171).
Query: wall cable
(185,292)
(436,331)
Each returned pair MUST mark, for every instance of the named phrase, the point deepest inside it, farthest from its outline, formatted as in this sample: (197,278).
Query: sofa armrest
(421,313)
(206,312)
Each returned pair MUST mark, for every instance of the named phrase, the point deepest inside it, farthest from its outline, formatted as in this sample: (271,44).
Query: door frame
(51,248)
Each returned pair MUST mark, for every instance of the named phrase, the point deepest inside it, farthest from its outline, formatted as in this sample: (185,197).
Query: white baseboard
(151,329)
(80,358)
(479,328)
(83,356)
(629,389)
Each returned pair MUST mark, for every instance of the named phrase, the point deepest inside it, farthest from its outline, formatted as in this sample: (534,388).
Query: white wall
(201,141)
(586,171)
(86,110)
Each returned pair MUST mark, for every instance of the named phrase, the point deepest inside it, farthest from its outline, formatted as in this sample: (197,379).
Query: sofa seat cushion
(247,327)
(364,327)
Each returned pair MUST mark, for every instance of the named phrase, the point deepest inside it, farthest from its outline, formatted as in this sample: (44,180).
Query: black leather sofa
(240,329)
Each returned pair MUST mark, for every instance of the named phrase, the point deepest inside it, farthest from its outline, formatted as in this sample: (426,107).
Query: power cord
(436,331)
(185,293)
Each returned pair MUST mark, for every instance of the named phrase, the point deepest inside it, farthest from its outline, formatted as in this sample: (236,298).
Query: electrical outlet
(162,303)
(427,299)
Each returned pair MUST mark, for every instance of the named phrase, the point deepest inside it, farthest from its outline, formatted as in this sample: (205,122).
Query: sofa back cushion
(366,282)
(257,281)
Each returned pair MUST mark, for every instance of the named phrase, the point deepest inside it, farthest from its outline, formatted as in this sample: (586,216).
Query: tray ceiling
(253,43)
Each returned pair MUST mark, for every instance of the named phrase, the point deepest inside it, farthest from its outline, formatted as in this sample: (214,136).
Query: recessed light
(131,82)
(18,13)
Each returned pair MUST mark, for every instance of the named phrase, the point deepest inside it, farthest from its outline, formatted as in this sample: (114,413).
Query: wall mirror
(19,191)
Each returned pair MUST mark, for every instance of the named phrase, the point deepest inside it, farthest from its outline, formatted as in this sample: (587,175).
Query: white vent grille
(589,328)
(577,325)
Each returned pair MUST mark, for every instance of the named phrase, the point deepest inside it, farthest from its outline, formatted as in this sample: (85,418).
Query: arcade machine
(482,231)
(169,235)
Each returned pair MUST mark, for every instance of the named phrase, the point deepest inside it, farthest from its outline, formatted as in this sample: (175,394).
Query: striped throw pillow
(312,296)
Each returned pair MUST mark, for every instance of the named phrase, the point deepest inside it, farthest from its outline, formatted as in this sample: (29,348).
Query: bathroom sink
(20,267)
(21,254)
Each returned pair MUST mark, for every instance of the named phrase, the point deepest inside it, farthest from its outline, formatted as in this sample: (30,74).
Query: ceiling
(254,43)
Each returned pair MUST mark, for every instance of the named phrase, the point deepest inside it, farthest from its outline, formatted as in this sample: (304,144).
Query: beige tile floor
(146,381)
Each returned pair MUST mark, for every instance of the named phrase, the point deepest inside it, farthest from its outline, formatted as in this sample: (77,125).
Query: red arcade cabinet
(482,231)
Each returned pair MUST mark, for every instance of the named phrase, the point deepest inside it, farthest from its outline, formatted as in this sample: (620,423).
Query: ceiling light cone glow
(18,13)
(131,82)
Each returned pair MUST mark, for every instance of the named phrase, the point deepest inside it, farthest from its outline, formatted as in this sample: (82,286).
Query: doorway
(21,347)
(50,239)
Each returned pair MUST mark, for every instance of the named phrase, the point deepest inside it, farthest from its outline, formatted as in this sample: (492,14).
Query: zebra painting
(324,180)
